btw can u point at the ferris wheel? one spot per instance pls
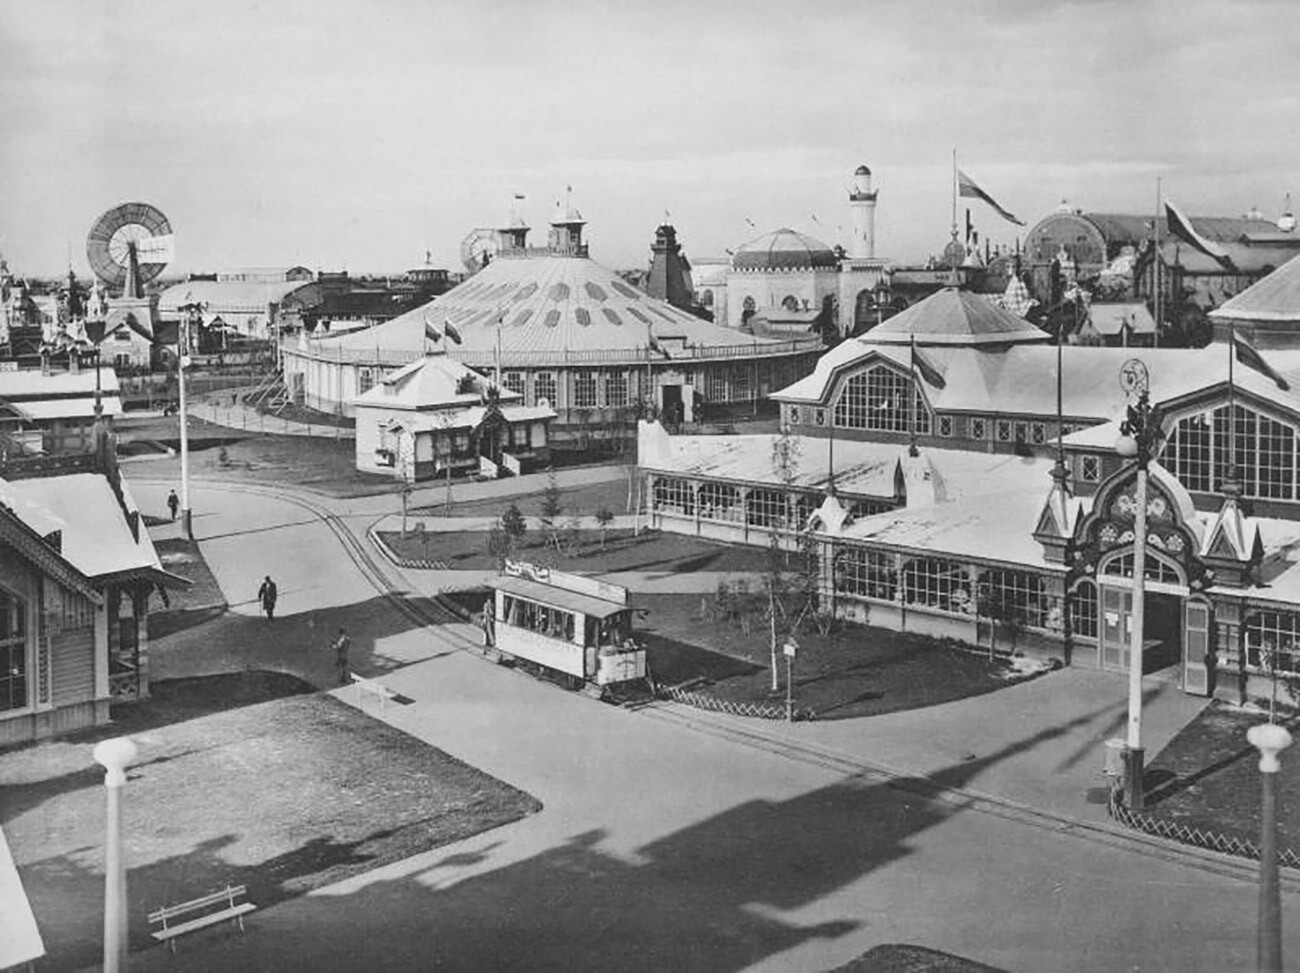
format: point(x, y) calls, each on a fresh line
point(130, 238)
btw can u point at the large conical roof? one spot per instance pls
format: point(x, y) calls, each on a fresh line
point(955, 317)
point(548, 305)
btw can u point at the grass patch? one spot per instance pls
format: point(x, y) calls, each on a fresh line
point(1208, 777)
point(651, 551)
point(247, 778)
point(578, 501)
point(185, 607)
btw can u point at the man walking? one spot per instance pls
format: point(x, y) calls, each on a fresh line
point(267, 595)
point(173, 504)
point(341, 646)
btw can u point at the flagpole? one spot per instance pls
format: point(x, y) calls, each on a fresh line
point(1156, 269)
point(497, 352)
point(911, 406)
point(1232, 405)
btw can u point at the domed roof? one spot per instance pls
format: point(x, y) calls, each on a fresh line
point(552, 309)
point(784, 249)
point(953, 317)
point(862, 171)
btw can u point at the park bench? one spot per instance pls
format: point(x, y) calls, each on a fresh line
point(372, 688)
point(206, 911)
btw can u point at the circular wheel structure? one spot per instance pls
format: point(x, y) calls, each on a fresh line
point(111, 239)
point(479, 246)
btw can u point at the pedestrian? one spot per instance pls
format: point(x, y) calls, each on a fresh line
point(173, 503)
point(266, 595)
point(489, 624)
point(341, 646)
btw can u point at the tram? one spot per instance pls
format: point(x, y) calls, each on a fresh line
point(567, 624)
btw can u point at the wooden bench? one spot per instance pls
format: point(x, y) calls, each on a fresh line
point(206, 911)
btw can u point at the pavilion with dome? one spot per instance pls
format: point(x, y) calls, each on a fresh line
point(564, 332)
point(959, 476)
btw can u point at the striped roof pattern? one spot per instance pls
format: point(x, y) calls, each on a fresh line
point(785, 249)
point(546, 303)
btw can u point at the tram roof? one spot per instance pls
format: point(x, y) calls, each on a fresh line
point(558, 597)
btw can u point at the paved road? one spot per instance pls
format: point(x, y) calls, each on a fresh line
point(675, 841)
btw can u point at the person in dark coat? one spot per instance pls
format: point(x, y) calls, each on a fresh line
point(341, 646)
point(173, 504)
point(267, 595)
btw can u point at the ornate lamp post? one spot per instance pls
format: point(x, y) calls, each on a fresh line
point(116, 755)
point(1139, 435)
point(1271, 740)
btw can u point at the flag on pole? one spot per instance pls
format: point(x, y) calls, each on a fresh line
point(929, 371)
point(519, 196)
point(451, 332)
point(966, 186)
point(1249, 356)
point(430, 332)
point(1181, 227)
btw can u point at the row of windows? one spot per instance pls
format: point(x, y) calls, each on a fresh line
point(1273, 641)
point(720, 502)
point(551, 622)
point(862, 406)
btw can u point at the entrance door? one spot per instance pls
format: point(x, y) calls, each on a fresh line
point(1116, 615)
point(1196, 643)
point(674, 411)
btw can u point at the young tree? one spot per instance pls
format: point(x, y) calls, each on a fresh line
point(514, 526)
point(604, 517)
point(552, 507)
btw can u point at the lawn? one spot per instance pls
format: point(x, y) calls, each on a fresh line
point(852, 671)
point(581, 551)
point(184, 607)
point(247, 778)
point(577, 501)
point(1208, 777)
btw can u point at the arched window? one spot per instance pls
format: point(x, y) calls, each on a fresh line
point(706, 299)
point(878, 399)
point(1197, 452)
point(749, 305)
point(1083, 609)
point(1155, 568)
point(790, 302)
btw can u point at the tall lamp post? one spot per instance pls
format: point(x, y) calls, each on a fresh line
point(1271, 740)
point(1139, 436)
point(116, 755)
point(190, 314)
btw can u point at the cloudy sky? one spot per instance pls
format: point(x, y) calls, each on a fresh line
point(358, 134)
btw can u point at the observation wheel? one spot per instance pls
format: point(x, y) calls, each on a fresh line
point(478, 248)
point(133, 235)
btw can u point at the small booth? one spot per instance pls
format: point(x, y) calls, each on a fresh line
point(566, 623)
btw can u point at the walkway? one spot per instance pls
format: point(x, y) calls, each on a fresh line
point(226, 409)
point(673, 839)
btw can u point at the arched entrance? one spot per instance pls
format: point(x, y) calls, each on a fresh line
point(866, 313)
point(1164, 593)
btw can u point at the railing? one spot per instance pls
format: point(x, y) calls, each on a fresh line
point(1197, 837)
point(594, 356)
point(700, 700)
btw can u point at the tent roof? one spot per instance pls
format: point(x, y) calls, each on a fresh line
point(955, 317)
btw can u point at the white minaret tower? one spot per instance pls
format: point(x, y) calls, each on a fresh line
point(862, 209)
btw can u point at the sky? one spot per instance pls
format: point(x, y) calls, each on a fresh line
point(361, 134)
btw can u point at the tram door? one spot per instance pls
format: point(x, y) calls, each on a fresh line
point(1116, 622)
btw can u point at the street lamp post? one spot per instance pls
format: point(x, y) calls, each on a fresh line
point(1270, 739)
point(190, 314)
point(116, 755)
point(1139, 435)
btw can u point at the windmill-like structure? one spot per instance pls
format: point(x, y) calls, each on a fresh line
point(127, 247)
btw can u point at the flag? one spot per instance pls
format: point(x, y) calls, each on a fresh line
point(1249, 356)
point(519, 195)
point(1181, 227)
point(928, 370)
point(966, 186)
point(450, 332)
point(430, 332)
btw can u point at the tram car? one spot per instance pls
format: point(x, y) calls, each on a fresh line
point(577, 627)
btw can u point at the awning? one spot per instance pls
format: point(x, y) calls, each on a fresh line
point(553, 597)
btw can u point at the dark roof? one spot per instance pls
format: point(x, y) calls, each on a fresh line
point(1128, 228)
point(784, 249)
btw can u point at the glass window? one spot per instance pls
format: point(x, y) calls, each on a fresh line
point(365, 380)
point(544, 387)
point(1198, 452)
point(878, 399)
point(937, 583)
point(584, 390)
point(1083, 610)
point(716, 384)
point(1008, 595)
point(673, 495)
point(719, 501)
point(766, 508)
point(1271, 641)
point(819, 417)
point(945, 425)
point(13, 651)
point(860, 571)
point(1038, 433)
point(978, 429)
point(1090, 469)
point(1002, 430)
point(616, 388)
point(514, 381)
point(794, 415)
